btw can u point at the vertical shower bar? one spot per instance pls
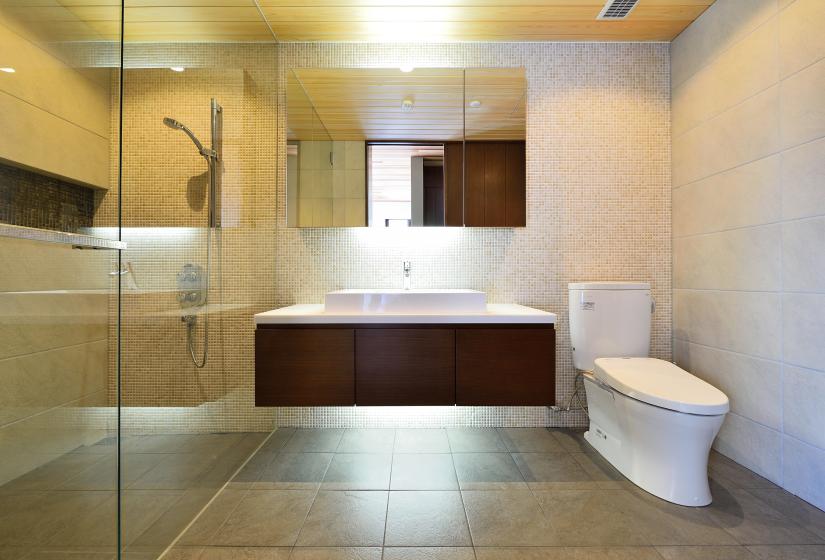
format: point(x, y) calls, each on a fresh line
point(215, 164)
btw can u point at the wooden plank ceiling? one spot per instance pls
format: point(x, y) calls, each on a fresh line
point(355, 20)
point(444, 104)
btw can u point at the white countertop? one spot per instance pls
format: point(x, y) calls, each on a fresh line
point(497, 313)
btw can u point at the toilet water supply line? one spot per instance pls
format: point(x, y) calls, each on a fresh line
point(574, 395)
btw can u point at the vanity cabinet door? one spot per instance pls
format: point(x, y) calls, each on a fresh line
point(304, 367)
point(405, 366)
point(510, 366)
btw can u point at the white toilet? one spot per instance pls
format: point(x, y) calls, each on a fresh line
point(650, 419)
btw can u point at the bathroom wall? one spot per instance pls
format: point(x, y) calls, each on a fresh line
point(749, 225)
point(164, 213)
point(65, 135)
point(598, 208)
point(53, 352)
point(598, 200)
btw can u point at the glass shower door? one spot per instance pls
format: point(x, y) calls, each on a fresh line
point(59, 101)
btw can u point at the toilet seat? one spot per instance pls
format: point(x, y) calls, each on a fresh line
point(661, 384)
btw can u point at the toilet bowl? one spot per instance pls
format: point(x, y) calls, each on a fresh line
point(652, 420)
point(655, 423)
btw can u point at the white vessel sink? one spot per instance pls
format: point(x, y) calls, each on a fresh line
point(416, 302)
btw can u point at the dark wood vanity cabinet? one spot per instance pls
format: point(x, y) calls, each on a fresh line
point(495, 185)
point(304, 367)
point(510, 366)
point(405, 366)
point(411, 365)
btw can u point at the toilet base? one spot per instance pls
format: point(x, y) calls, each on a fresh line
point(662, 451)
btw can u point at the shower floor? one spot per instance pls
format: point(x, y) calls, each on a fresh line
point(462, 494)
point(67, 509)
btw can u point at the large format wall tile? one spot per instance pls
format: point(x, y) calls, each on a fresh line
point(37, 382)
point(804, 413)
point(748, 195)
point(31, 266)
point(803, 255)
point(746, 322)
point(802, 106)
point(753, 445)
point(801, 41)
point(804, 471)
point(748, 67)
point(747, 132)
point(803, 177)
point(36, 321)
point(751, 384)
point(803, 326)
point(775, 397)
point(717, 29)
point(740, 259)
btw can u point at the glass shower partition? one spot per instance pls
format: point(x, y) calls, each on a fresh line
point(137, 228)
point(198, 212)
point(59, 277)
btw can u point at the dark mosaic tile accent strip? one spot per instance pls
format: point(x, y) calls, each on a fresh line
point(33, 200)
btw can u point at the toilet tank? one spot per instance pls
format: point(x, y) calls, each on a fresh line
point(609, 320)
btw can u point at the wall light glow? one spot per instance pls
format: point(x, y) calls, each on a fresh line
point(7, 69)
point(177, 68)
point(417, 237)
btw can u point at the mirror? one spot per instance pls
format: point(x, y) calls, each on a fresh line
point(382, 147)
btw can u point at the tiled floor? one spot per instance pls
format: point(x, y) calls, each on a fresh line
point(68, 508)
point(485, 494)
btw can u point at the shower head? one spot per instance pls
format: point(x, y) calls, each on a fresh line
point(177, 125)
point(172, 123)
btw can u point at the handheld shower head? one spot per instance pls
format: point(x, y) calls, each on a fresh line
point(172, 123)
point(177, 125)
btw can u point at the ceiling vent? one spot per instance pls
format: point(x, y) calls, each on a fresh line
point(617, 9)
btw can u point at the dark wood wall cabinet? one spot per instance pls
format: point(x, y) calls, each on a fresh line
point(389, 365)
point(495, 185)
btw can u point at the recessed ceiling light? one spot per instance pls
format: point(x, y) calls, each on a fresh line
point(8, 70)
point(475, 103)
point(406, 68)
point(177, 68)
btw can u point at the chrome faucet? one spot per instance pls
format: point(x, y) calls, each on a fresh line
point(407, 269)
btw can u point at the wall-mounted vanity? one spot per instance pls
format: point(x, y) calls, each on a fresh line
point(405, 347)
point(382, 147)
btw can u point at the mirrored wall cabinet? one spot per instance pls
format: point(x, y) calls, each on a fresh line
point(383, 147)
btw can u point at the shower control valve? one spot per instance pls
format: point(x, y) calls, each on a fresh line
point(191, 282)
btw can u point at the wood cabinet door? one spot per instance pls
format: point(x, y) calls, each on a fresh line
point(304, 367)
point(513, 366)
point(474, 199)
point(516, 185)
point(495, 185)
point(495, 172)
point(453, 183)
point(413, 366)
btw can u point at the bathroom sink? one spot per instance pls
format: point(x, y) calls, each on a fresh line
point(420, 302)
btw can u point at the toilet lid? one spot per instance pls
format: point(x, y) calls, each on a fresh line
point(661, 384)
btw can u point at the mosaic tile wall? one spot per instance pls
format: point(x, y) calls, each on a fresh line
point(598, 172)
point(164, 214)
point(38, 201)
point(598, 203)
